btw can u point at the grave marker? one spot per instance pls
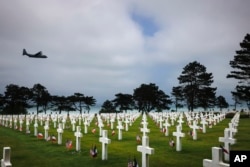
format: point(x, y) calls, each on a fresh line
point(178, 135)
point(145, 150)
point(216, 159)
point(194, 132)
point(59, 131)
point(85, 126)
point(227, 140)
point(46, 129)
point(5, 162)
point(203, 122)
point(105, 141)
point(35, 127)
point(120, 127)
point(144, 130)
point(166, 125)
point(78, 136)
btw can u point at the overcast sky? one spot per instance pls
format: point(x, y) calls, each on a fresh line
point(103, 47)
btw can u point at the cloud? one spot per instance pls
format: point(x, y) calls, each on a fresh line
point(99, 49)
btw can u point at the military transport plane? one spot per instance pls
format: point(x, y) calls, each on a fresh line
point(36, 55)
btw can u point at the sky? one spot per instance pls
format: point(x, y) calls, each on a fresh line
point(104, 47)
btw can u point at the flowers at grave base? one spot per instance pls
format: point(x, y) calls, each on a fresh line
point(93, 130)
point(93, 151)
point(138, 139)
point(68, 144)
point(53, 138)
point(224, 150)
point(171, 143)
point(113, 132)
point(132, 163)
point(200, 128)
point(40, 136)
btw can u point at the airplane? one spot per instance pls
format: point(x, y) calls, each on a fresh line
point(37, 55)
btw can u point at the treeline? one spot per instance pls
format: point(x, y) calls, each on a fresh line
point(16, 100)
point(194, 91)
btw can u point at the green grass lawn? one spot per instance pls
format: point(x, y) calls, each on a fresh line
point(27, 150)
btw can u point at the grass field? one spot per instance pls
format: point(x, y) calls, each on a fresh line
point(27, 150)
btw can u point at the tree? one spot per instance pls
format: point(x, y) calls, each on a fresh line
point(149, 97)
point(241, 66)
point(195, 84)
point(124, 102)
point(1, 102)
point(107, 107)
point(178, 97)
point(89, 101)
point(16, 99)
point(41, 97)
point(80, 101)
point(62, 103)
point(221, 102)
point(236, 99)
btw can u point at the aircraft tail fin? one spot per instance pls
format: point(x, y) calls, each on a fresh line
point(24, 52)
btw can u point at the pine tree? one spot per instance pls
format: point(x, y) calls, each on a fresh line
point(196, 86)
point(241, 66)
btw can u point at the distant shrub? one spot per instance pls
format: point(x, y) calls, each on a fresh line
point(230, 115)
point(244, 115)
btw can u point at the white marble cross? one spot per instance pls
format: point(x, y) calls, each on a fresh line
point(144, 130)
point(172, 119)
point(54, 121)
point(27, 125)
point(64, 122)
point(35, 127)
point(160, 122)
point(232, 130)
point(227, 140)
point(73, 123)
point(85, 126)
point(203, 122)
point(80, 120)
point(78, 136)
point(194, 132)
point(178, 135)
point(166, 125)
point(112, 123)
point(145, 150)
point(21, 124)
point(59, 131)
point(180, 121)
point(5, 162)
point(46, 129)
point(216, 159)
point(126, 124)
point(105, 141)
point(100, 125)
point(120, 128)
